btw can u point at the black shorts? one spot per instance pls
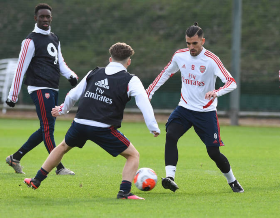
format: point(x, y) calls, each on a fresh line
point(206, 124)
point(110, 139)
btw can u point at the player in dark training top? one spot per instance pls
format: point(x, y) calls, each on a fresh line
point(41, 62)
point(103, 94)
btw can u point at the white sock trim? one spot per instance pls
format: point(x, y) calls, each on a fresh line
point(170, 171)
point(229, 176)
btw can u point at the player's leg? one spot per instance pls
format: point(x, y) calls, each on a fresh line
point(14, 159)
point(35, 139)
point(56, 156)
point(132, 163)
point(208, 129)
point(176, 126)
point(115, 143)
point(51, 162)
point(73, 138)
point(47, 99)
point(224, 166)
point(173, 132)
point(129, 171)
point(44, 100)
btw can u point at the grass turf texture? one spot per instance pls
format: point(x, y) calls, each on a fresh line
point(252, 151)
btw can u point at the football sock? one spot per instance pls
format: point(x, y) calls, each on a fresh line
point(229, 176)
point(125, 186)
point(41, 174)
point(19, 154)
point(60, 166)
point(170, 171)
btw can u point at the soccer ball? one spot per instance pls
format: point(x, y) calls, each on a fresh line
point(145, 179)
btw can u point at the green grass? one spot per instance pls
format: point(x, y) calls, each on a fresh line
point(252, 151)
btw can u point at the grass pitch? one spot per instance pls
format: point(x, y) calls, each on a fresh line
point(252, 151)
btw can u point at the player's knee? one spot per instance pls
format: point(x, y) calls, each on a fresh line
point(131, 152)
point(134, 157)
point(213, 152)
point(136, 154)
point(174, 131)
point(63, 147)
point(172, 135)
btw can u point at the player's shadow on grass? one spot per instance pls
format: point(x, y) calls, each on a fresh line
point(198, 193)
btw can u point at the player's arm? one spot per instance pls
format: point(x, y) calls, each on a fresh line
point(136, 89)
point(71, 98)
point(65, 70)
point(170, 69)
point(25, 57)
point(225, 76)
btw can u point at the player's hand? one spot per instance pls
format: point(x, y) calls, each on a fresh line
point(73, 80)
point(10, 103)
point(156, 134)
point(211, 94)
point(55, 111)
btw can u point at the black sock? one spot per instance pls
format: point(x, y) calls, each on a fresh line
point(19, 154)
point(125, 186)
point(41, 174)
point(60, 166)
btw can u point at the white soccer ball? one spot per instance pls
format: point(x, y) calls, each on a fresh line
point(145, 179)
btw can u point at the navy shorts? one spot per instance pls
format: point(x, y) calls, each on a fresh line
point(206, 124)
point(110, 139)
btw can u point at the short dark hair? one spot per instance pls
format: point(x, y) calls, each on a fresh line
point(42, 6)
point(121, 51)
point(194, 30)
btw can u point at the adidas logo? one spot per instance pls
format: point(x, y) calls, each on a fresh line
point(102, 83)
point(184, 66)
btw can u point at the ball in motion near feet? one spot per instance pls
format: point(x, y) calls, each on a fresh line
point(145, 179)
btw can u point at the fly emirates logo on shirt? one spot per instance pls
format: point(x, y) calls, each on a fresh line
point(191, 80)
point(99, 93)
